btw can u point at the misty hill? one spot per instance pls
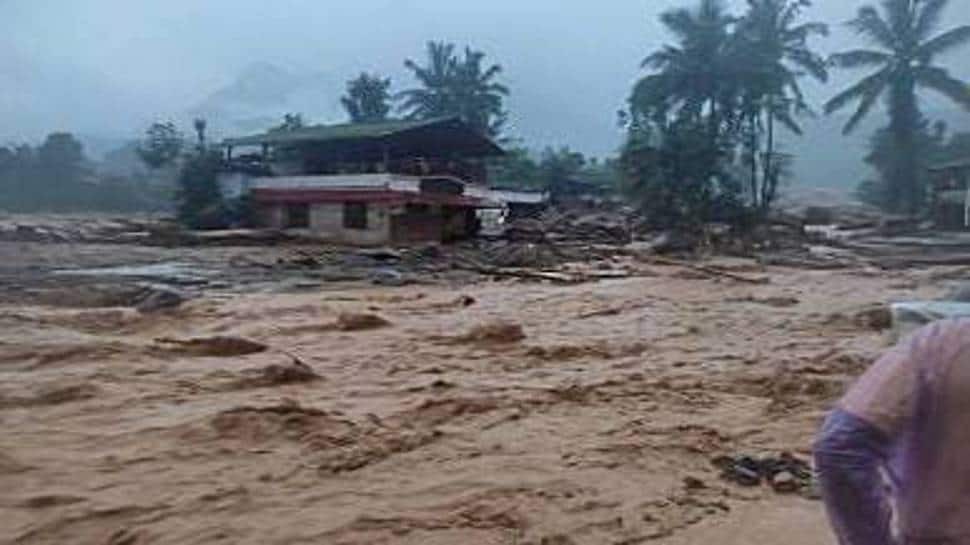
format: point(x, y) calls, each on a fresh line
point(263, 93)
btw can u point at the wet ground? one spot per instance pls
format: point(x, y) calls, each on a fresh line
point(493, 412)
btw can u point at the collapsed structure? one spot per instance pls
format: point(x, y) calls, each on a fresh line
point(366, 184)
point(950, 193)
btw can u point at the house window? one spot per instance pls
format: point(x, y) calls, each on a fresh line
point(298, 216)
point(355, 215)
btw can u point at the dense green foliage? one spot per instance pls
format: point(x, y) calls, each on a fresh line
point(554, 167)
point(368, 98)
point(161, 146)
point(460, 86)
point(199, 200)
point(57, 177)
point(721, 89)
point(684, 181)
point(905, 49)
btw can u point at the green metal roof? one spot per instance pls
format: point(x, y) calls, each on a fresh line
point(328, 133)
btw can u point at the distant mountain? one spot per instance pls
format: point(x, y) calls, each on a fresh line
point(263, 93)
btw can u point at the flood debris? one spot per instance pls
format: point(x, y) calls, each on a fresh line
point(706, 270)
point(293, 372)
point(160, 299)
point(784, 473)
point(497, 333)
point(350, 321)
point(878, 317)
point(214, 347)
point(54, 395)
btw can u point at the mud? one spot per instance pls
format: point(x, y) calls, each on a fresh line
point(518, 413)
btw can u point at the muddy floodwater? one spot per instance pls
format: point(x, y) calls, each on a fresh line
point(491, 412)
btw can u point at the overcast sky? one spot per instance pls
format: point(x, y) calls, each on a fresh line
point(107, 67)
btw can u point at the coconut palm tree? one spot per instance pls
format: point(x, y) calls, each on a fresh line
point(903, 58)
point(773, 53)
point(454, 86)
point(368, 98)
point(693, 77)
point(433, 96)
point(479, 98)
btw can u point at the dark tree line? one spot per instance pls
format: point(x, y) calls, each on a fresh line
point(703, 124)
point(552, 168)
point(57, 176)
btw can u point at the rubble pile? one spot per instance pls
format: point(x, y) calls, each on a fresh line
point(607, 227)
point(785, 473)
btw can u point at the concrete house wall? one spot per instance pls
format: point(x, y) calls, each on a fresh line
point(327, 223)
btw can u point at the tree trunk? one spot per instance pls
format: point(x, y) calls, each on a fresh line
point(769, 181)
point(753, 159)
point(906, 192)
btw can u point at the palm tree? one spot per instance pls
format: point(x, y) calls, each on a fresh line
point(773, 54)
point(903, 59)
point(368, 98)
point(453, 86)
point(478, 97)
point(434, 96)
point(693, 77)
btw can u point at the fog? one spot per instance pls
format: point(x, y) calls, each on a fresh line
point(106, 68)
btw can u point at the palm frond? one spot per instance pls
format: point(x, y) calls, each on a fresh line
point(900, 15)
point(869, 23)
point(865, 106)
point(940, 80)
point(807, 30)
point(943, 43)
point(786, 119)
point(871, 85)
point(809, 61)
point(860, 58)
point(666, 56)
point(929, 17)
point(680, 22)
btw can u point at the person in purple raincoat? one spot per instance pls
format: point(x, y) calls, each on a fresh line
point(893, 458)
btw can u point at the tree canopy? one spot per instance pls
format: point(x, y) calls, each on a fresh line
point(902, 58)
point(368, 98)
point(729, 79)
point(161, 146)
point(452, 85)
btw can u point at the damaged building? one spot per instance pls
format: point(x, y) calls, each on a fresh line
point(950, 195)
point(366, 184)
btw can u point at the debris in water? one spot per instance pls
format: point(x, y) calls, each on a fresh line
point(160, 299)
point(785, 474)
point(216, 347)
point(494, 333)
point(360, 322)
point(295, 372)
